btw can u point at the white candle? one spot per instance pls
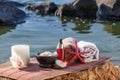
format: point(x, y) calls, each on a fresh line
point(20, 55)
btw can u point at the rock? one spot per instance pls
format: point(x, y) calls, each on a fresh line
point(78, 8)
point(108, 3)
point(116, 8)
point(104, 12)
point(12, 3)
point(109, 10)
point(66, 10)
point(46, 8)
point(10, 14)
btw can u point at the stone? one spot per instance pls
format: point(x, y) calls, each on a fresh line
point(45, 8)
point(10, 14)
point(12, 3)
point(66, 10)
point(104, 12)
point(109, 10)
point(78, 8)
point(116, 8)
point(109, 3)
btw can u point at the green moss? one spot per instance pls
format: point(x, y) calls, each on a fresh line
point(4, 29)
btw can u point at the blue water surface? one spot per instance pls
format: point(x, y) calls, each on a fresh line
point(42, 33)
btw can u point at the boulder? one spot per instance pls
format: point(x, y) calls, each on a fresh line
point(116, 8)
point(12, 3)
point(66, 10)
point(109, 3)
point(45, 8)
point(78, 8)
point(104, 12)
point(109, 10)
point(10, 14)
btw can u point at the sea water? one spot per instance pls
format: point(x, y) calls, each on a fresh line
point(42, 33)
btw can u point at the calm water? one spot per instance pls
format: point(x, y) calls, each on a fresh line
point(43, 33)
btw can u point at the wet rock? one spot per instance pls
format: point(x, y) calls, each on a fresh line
point(108, 3)
point(12, 3)
point(109, 11)
point(116, 8)
point(78, 8)
point(104, 12)
point(46, 8)
point(10, 14)
point(66, 10)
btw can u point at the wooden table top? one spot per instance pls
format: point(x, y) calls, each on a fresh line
point(34, 72)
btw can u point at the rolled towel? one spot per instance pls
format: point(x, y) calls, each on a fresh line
point(64, 49)
point(89, 51)
point(69, 44)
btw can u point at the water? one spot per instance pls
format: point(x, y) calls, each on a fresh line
point(42, 33)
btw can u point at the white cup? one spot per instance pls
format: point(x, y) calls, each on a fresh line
point(20, 55)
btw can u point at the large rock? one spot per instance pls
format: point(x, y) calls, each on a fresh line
point(109, 10)
point(10, 14)
point(45, 8)
point(109, 3)
point(12, 3)
point(104, 12)
point(66, 10)
point(116, 8)
point(78, 8)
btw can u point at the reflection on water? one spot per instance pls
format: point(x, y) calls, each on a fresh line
point(81, 25)
point(113, 28)
point(43, 33)
point(5, 29)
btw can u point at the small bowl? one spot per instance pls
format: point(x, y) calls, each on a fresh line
point(46, 61)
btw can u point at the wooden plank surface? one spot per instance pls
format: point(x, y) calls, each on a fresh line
point(34, 72)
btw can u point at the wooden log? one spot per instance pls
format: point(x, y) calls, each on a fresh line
point(106, 71)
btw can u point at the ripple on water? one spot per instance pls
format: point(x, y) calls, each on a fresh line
point(43, 33)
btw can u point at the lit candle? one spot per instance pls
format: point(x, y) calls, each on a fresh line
point(20, 56)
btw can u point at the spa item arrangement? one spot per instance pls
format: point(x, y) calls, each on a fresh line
point(68, 52)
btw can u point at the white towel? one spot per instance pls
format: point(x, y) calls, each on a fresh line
point(67, 42)
point(91, 49)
